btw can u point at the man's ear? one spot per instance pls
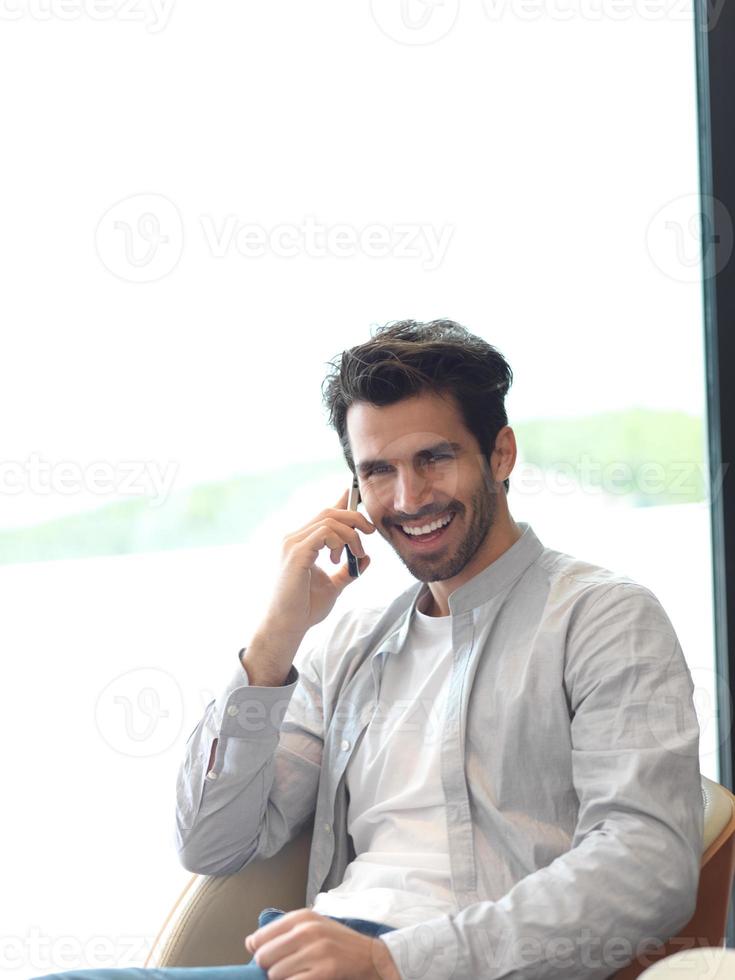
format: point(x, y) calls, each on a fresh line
point(504, 454)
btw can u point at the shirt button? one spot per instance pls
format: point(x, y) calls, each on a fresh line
point(232, 709)
point(211, 775)
point(328, 828)
point(344, 745)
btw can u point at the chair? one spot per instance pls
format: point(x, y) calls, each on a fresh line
point(706, 927)
point(703, 963)
point(210, 919)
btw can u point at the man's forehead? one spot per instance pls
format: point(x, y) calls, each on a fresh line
point(410, 417)
point(402, 430)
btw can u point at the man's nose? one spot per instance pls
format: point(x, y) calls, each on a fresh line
point(410, 490)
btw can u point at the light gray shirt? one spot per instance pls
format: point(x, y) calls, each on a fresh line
point(396, 815)
point(569, 763)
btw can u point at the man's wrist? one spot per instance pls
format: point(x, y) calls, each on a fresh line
point(273, 641)
point(263, 675)
point(269, 658)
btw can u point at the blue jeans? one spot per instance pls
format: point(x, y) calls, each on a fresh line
point(239, 971)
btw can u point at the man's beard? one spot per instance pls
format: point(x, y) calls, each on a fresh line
point(484, 508)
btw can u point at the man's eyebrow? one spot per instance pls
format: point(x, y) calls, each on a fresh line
point(367, 464)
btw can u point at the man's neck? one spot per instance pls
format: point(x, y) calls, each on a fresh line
point(502, 536)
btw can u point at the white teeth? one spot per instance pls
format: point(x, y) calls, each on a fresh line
point(434, 526)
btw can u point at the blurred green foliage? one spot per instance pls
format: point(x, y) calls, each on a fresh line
point(219, 512)
point(650, 458)
point(597, 447)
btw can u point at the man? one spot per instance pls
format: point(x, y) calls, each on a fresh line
point(549, 822)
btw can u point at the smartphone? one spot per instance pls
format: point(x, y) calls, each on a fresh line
point(353, 501)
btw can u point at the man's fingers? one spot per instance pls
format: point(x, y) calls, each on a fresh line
point(351, 518)
point(362, 522)
point(355, 522)
point(316, 538)
point(340, 505)
point(279, 926)
point(333, 534)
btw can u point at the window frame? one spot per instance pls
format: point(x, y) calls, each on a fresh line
point(715, 70)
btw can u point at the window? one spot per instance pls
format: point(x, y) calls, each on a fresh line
point(199, 212)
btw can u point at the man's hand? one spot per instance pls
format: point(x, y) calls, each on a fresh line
point(304, 945)
point(304, 593)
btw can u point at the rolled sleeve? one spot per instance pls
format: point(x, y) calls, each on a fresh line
point(219, 813)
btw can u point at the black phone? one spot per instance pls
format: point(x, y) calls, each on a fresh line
point(353, 501)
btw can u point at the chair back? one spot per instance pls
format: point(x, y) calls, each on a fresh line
point(208, 924)
point(707, 926)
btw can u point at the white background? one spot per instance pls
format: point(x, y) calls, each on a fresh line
point(559, 153)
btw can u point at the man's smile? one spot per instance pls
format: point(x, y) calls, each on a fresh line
point(421, 535)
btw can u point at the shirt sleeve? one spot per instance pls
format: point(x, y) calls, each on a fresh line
point(263, 781)
point(629, 880)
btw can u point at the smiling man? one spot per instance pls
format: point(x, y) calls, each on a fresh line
point(544, 818)
point(446, 491)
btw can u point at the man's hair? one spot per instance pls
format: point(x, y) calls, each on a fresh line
point(407, 357)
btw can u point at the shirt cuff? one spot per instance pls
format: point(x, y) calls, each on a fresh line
point(427, 950)
point(239, 694)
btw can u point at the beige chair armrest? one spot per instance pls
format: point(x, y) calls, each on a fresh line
point(718, 809)
point(208, 924)
point(706, 963)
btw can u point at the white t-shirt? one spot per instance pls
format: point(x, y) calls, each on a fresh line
point(396, 816)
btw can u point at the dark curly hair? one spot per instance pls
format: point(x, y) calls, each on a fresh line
point(406, 357)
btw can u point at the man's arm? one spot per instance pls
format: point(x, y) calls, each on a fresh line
point(250, 775)
point(632, 872)
point(248, 780)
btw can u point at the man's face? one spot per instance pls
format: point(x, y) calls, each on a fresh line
point(416, 463)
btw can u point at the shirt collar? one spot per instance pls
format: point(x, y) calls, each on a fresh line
point(499, 574)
